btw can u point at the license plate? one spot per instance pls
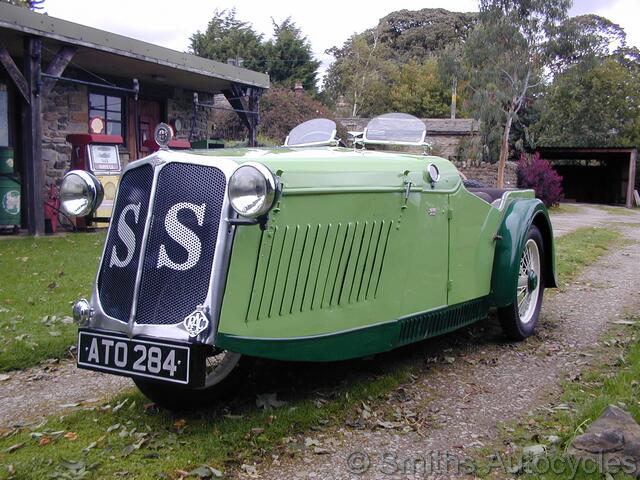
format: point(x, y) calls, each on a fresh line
point(134, 357)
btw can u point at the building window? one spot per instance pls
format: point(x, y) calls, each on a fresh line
point(108, 108)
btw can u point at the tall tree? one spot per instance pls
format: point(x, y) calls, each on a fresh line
point(289, 58)
point(228, 37)
point(584, 38)
point(418, 90)
point(367, 64)
point(595, 103)
point(419, 34)
point(359, 75)
point(505, 55)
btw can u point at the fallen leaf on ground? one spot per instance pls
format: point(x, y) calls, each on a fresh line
point(44, 441)
point(71, 436)
point(14, 447)
point(249, 469)
point(269, 401)
point(205, 471)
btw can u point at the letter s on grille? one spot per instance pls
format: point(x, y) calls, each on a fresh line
point(177, 259)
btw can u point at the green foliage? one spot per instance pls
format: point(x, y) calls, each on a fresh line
point(40, 279)
point(359, 75)
point(503, 60)
point(288, 57)
point(592, 104)
point(418, 35)
point(418, 90)
point(372, 65)
point(584, 38)
point(228, 37)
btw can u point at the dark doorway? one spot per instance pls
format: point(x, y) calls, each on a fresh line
point(150, 113)
point(595, 175)
point(593, 181)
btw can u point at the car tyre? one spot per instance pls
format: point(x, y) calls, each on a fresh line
point(218, 384)
point(519, 319)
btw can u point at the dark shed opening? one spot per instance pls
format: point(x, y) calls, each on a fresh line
point(595, 175)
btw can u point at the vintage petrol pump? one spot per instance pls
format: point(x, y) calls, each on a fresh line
point(98, 154)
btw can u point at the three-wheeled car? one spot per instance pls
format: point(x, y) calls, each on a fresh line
point(310, 251)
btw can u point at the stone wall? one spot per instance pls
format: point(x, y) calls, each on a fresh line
point(180, 106)
point(64, 111)
point(487, 173)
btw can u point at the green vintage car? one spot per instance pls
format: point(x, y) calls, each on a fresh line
point(308, 252)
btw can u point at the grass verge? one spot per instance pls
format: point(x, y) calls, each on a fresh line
point(611, 379)
point(618, 210)
point(564, 208)
point(40, 279)
point(582, 247)
point(127, 438)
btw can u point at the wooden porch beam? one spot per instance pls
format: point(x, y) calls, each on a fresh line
point(56, 68)
point(33, 173)
point(246, 102)
point(633, 158)
point(233, 96)
point(14, 72)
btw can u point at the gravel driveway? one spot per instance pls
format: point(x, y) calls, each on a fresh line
point(487, 380)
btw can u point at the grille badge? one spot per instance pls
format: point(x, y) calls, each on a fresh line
point(196, 322)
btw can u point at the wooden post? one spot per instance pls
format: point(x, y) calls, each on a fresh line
point(33, 178)
point(56, 68)
point(633, 159)
point(253, 104)
point(246, 102)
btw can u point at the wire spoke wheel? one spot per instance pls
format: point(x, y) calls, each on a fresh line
point(528, 281)
point(519, 319)
point(219, 366)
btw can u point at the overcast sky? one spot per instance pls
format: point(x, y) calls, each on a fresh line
point(326, 23)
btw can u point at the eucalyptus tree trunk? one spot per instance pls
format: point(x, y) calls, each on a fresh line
point(454, 97)
point(504, 147)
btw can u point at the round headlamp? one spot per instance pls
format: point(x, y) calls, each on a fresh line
point(252, 190)
point(80, 193)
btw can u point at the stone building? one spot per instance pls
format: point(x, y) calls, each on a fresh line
point(57, 76)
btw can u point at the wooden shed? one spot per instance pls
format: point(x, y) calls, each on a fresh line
point(595, 175)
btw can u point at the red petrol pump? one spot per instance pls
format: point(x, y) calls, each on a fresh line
point(98, 154)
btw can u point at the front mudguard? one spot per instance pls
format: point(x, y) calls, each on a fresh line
point(510, 240)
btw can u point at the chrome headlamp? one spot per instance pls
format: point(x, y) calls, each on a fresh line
point(253, 190)
point(81, 193)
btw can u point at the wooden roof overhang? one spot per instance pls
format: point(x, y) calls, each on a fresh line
point(106, 53)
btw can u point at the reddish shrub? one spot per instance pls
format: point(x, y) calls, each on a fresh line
point(539, 175)
point(281, 109)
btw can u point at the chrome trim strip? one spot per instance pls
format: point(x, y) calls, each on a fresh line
point(143, 246)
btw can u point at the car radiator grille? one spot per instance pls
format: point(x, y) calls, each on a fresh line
point(178, 255)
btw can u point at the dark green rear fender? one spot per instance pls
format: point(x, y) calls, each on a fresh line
point(512, 235)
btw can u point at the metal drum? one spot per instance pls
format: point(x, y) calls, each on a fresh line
point(6, 161)
point(9, 202)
